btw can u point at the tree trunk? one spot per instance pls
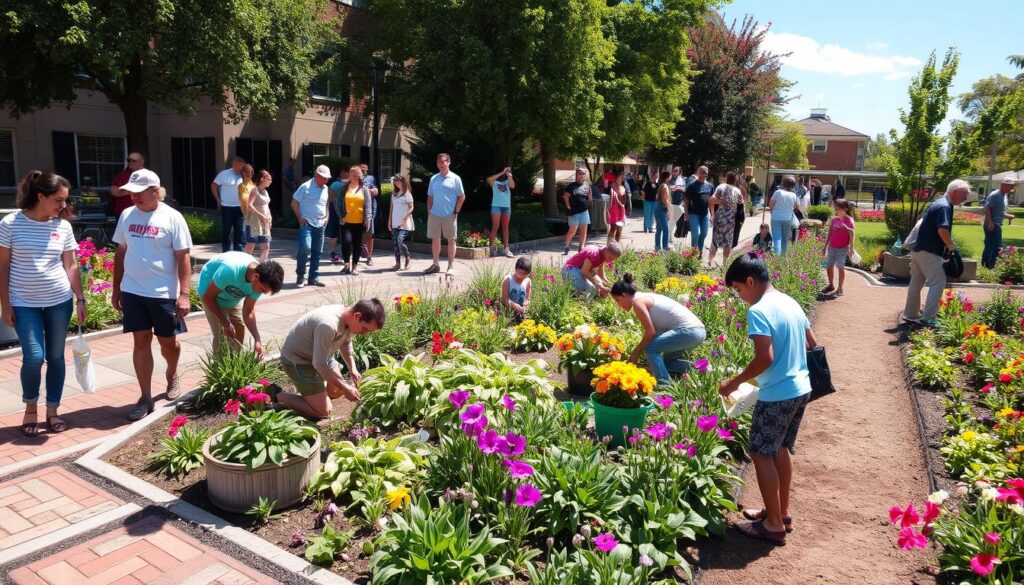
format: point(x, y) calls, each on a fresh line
point(550, 191)
point(135, 108)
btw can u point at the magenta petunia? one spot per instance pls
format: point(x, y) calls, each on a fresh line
point(910, 539)
point(725, 434)
point(511, 444)
point(487, 441)
point(508, 403)
point(605, 542)
point(664, 401)
point(527, 495)
point(701, 365)
point(458, 398)
point(520, 469)
point(984, 563)
point(658, 431)
point(707, 423)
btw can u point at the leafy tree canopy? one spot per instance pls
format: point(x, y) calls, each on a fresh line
point(784, 143)
point(1009, 136)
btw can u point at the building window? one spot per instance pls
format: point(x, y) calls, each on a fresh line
point(8, 170)
point(100, 158)
point(328, 86)
point(332, 150)
point(390, 162)
point(819, 146)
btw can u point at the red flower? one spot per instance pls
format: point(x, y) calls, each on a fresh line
point(931, 512)
point(437, 348)
point(435, 337)
point(905, 516)
point(986, 388)
point(1005, 378)
point(969, 358)
point(231, 407)
point(448, 337)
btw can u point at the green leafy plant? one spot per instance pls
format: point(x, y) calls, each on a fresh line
point(485, 329)
point(394, 339)
point(1010, 265)
point(225, 370)
point(969, 448)
point(99, 313)
point(352, 466)
point(1003, 312)
point(263, 510)
point(397, 392)
point(685, 262)
point(822, 213)
point(205, 229)
point(930, 366)
point(578, 489)
point(552, 299)
point(323, 548)
point(260, 436)
point(183, 453)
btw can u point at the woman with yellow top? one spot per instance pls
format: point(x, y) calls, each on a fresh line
point(355, 214)
point(245, 188)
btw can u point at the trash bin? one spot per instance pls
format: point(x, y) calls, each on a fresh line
point(599, 213)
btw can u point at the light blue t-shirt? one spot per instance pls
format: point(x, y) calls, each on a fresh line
point(227, 271)
point(500, 195)
point(312, 202)
point(996, 201)
point(778, 316)
point(445, 191)
point(785, 201)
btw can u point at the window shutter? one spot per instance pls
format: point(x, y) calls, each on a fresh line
point(65, 163)
point(307, 161)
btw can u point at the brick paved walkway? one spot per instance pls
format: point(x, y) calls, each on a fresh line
point(149, 551)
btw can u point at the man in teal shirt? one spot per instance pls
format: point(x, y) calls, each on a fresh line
point(226, 281)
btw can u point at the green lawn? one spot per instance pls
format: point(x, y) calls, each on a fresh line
point(874, 236)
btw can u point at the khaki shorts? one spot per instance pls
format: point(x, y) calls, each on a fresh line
point(445, 227)
point(307, 381)
point(234, 315)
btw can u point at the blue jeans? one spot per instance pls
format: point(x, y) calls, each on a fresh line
point(993, 243)
point(661, 231)
point(231, 226)
point(400, 248)
point(665, 352)
point(781, 231)
point(579, 283)
point(649, 207)
point(42, 333)
point(698, 230)
point(311, 246)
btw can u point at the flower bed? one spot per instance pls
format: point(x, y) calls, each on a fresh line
point(976, 356)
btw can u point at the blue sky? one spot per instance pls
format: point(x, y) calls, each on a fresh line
point(857, 57)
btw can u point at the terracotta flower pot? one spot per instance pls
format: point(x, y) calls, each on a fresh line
point(232, 487)
point(579, 382)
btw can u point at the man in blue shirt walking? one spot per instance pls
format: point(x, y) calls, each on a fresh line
point(995, 210)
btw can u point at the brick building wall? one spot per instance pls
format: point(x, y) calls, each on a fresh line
point(839, 155)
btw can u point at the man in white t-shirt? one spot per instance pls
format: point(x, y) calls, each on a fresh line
point(152, 271)
point(225, 190)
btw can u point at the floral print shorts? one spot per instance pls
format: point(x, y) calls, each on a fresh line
point(775, 425)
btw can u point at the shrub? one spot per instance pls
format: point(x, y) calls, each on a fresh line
point(261, 436)
point(397, 392)
point(1010, 265)
point(205, 229)
point(685, 261)
point(483, 330)
point(100, 314)
point(1003, 312)
point(552, 299)
point(822, 213)
point(180, 454)
point(394, 339)
point(225, 370)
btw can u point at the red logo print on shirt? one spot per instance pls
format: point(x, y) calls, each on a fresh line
point(144, 230)
point(55, 236)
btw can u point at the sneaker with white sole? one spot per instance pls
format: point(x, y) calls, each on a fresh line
point(174, 388)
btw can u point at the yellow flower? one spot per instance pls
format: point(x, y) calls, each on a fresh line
point(969, 436)
point(1006, 412)
point(1020, 448)
point(398, 496)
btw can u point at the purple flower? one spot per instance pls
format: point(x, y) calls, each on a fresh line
point(511, 444)
point(527, 495)
point(714, 353)
point(520, 470)
point(605, 542)
point(473, 419)
point(487, 441)
point(725, 434)
point(297, 539)
point(659, 431)
point(664, 401)
point(508, 403)
point(458, 398)
point(701, 365)
point(706, 423)
point(646, 560)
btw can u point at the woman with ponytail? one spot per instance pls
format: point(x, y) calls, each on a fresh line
point(39, 275)
point(670, 329)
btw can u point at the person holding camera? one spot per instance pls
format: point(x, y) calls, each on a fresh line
point(501, 184)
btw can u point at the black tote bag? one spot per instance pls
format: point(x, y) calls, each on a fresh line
point(821, 376)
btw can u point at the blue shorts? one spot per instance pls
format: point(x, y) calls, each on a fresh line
point(582, 218)
point(501, 210)
point(249, 239)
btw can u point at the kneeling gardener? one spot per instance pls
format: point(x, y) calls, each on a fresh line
point(307, 356)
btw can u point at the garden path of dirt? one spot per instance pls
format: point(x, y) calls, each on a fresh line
point(858, 453)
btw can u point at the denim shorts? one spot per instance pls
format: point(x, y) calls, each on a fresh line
point(775, 424)
point(582, 218)
point(249, 239)
point(836, 256)
point(501, 210)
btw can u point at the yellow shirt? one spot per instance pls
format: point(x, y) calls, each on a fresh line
point(354, 203)
point(243, 193)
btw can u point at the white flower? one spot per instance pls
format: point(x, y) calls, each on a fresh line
point(938, 497)
point(1017, 509)
point(989, 494)
point(455, 345)
point(962, 489)
point(981, 484)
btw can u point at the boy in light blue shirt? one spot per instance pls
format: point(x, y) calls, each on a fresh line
point(781, 334)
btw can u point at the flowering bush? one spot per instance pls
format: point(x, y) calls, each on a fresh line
point(1010, 265)
point(532, 336)
point(871, 216)
point(671, 286)
point(406, 300)
point(471, 239)
point(261, 435)
point(442, 343)
point(622, 385)
point(182, 450)
point(587, 347)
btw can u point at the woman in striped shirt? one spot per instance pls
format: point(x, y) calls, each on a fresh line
point(38, 274)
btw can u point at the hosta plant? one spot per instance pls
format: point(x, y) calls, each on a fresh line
point(260, 435)
point(352, 466)
point(397, 392)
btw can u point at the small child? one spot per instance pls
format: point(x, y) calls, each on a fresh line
point(516, 289)
point(781, 334)
point(838, 245)
point(763, 239)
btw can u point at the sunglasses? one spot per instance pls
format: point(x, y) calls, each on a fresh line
point(133, 160)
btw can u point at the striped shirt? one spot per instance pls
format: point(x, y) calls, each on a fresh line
point(37, 271)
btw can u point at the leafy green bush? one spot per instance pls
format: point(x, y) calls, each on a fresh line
point(181, 454)
point(1010, 265)
point(100, 314)
point(577, 488)
point(1003, 312)
point(930, 366)
point(552, 299)
point(260, 436)
point(823, 213)
point(685, 261)
point(897, 218)
point(394, 339)
point(397, 392)
point(350, 466)
point(483, 330)
point(226, 370)
point(205, 229)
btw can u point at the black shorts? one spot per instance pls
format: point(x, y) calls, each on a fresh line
point(148, 314)
point(775, 424)
point(333, 229)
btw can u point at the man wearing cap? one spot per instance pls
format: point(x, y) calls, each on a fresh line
point(122, 198)
point(225, 191)
point(995, 209)
point(309, 202)
point(151, 282)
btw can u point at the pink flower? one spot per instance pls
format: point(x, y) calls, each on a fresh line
point(706, 423)
point(458, 398)
point(905, 516)
point(720, 339)
point(508, 403)
point(487, 441)
point(232, 406)
point(664, 401)
point(1005, 378)
point(910, 539)
point(984, 563)
point(659, 431)
point(931, 512)
point(520, 469)
point(257, 397)
point(511, 444)
point(176, 424)
point(263, 382)
point(992, 538)
point(987, 388)
point(527, 495)
point(701, 365)
point(1009, 496)
point(725, 434)
point(605, 542)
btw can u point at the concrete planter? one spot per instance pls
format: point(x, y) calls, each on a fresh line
point(899, 267)
point(232, 487)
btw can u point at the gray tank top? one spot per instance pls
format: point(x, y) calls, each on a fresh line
point(667, 314)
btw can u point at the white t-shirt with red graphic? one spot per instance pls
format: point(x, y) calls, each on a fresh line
point(152, 238)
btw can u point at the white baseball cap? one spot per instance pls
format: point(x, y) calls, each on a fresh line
point(1009, 181)
point(141, 180)
point(323, 171)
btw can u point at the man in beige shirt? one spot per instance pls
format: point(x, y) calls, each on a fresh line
point(307, 356)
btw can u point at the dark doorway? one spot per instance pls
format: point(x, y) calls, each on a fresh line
point(265, 154)
point(193, 167)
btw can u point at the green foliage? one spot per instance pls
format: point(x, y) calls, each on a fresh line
point(395, 339)
point(99, 313)
point(181, 454)
point(351, 466)
point(205, 229)
point(930, 366)
point(899, 217)
point(578, 489)
point(436, 544)
point(685, 262)
point(787, 142)
point(263, 510)
point(397, 392)
point(552, 299)
point(962, 536)
point(876, 153)
point(968, 448)
point(482, 330)
point(322, 549)
point(261, 436)
point(1003, 312)
point(822, 213)
point(1010, 265)
point(225, 370)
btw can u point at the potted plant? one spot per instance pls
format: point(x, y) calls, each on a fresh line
point(621, 399)
point(265, 453)
point(586, 348)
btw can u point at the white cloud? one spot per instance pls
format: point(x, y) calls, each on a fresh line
point(878, 46)
point(808, 54)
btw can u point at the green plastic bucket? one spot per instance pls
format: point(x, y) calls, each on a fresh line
point(609, 421)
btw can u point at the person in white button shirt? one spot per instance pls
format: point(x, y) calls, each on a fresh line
point(225, 191)
point(152, 273)
point(309, 202)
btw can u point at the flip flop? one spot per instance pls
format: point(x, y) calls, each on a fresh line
point(30, 429)
point(756, 530)
point(752, 514)
point(56, 424)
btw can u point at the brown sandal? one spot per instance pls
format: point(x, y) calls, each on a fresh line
point(752, 514)
point(757, 530)
point(30, 429)
point(56, 424)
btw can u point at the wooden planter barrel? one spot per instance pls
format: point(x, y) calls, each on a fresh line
point(232, 487)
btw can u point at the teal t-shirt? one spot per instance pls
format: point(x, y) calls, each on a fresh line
point(227, 271)
point(780, 317)
point(500, 194)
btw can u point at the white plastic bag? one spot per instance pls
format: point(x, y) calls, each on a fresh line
point(855, 257)
point(83, 363)
point(741, 400)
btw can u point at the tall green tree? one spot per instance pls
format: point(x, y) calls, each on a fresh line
point(783, 145)
point(732, 98)
point(250, 57)
point(878, 149)
point(1008, 141)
